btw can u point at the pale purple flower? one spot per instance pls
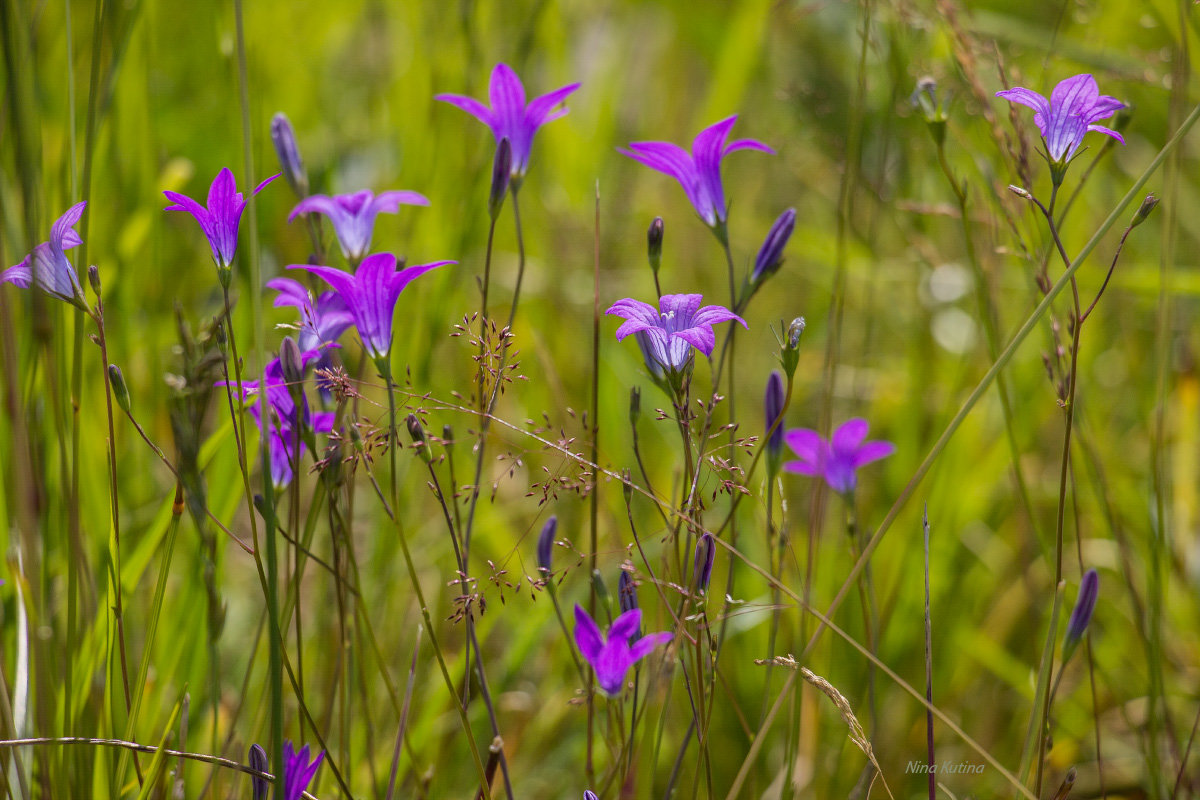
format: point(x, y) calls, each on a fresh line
point(1074, 107)
point(838, 459)
point(47, 267)
point(297, 771)
point(220, 220)
point(698, 172)
point(612, 657)
point(353, 215)
point(371, 295)
point(675, 328)
point(322, 321)
point(509, 117)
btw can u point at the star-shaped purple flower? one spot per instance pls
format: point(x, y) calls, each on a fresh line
point(836, 460)
point(220, 220)
point(672, 331)
point(353, 215)
point(509, 117)
point(297, 771)
point(613, 657)
point(47, 266)
point(321, 322)
point(371, 294)
point(698, 172)
point(1074, 107)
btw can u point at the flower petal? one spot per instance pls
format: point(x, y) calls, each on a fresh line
point(805, 442)
point(540, 107)
point(642, 647)
point(849, 435)
point(873, 451)
point(1026, 97)
point(390, 201)
point(625, 626)
point(587, 635)
point(507, 96)
point(470, 105)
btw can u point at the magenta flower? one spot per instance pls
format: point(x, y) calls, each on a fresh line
point(321, 322)
point(221, 219)
point(699, 173)
point(297, 772)
point(509, 117)
point(371, 295)
point(671, 332)
point(836, 460)
point(353, 215)
point(613, 657)
point(47, 267)
point(1074, 107)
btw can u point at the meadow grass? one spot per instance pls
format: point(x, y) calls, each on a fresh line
point(164, 606)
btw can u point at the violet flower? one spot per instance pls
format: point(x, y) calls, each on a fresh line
point(321, 322)
point(612, 657)
point(1081, 615)
point(47, 267)
point(1074, 107)
point(509, 117)
point(220, 220)
point(297, 771)
point(699, 173)
point(672, 331)
point(353, 215)
point(838, 459)
point(371, 295)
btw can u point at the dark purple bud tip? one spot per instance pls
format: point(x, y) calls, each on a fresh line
point(501, 176)
point(291, 363)
point(588, 794)
point(545, 545)
point(706, 552)
point(418, 437)
point(284, 139)
point(773, 402)
point(770, 255)
point(119, 388)
point(259, 786)
point(94, 278)
point(1089, 589)
point(627, 599)
point(654, 243)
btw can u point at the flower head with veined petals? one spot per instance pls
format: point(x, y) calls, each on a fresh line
point(612, 657)
point(1074, 107)
point(297, 771)
point(672, 331)
point(353, 215)
point(371, 295)
point(47, 266)
point(838, 459)
point(509, 117)
point(698, 172)
point(221, 219)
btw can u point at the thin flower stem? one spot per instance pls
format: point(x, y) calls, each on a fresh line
point(594, 493)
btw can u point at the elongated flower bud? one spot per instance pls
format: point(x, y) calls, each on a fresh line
point(418, 436)
point(259, 786)
point(1089, 590)
point(654, 243)
point(1148, 205)
point(773, 401)
point(545, 545)
point(119, 388)
point(588, 794)
point(789, 355)
point(627, 600)
point(93, 273)
point(501, 177)
point(284, 139)
point(291, 363)
point(706, 552)
point(770, 255)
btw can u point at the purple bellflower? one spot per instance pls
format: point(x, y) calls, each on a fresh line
point(674, 329)
point(1074, 108)
point(353, 215)
point(613, 657)
point(371, 295)
point(221, 219)
point(836, 460)
point(1081, 615)
point(509, 117)
point(297, 771)
point(698, 172)
point(321, 322)
point(47, 267)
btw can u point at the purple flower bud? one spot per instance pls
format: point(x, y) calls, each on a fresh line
point(795, 331)
point(284, 139)
point(418, 436)
point(706, 551)
point(501, 176)
point(588, 794)
point(545, 545)
point(258, 761)
point(93, 273)
point(1089, 589)
point(627, 599)
point(119, 389)
point(774, 407)
point(770, 256)
point(654, 243)
point(291, 363)
point(1148, 205)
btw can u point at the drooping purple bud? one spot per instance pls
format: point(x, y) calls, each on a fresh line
point(627, 599)
point(93, 272)
point(259, 785)
point(501, 176)
point(284, 139)
point(545, 545)
point(706, 551)
point(418, 437)
point(1089, 590)
point(654, 243)
point(773, 401)
point(291, 363)
point(770, 256)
